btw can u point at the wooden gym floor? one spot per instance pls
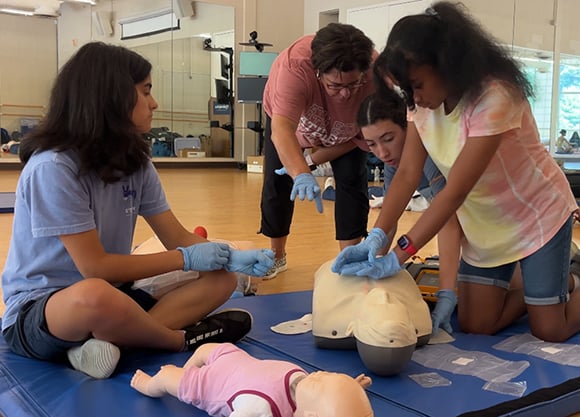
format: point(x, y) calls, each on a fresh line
point(227, 202)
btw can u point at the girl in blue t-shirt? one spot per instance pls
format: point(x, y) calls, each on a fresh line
point(87, 177)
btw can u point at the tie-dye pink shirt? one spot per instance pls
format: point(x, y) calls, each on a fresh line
point(523, 198)
point(294, 91)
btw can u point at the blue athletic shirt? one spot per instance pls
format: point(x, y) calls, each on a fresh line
point(53, 200)
point(431, 183)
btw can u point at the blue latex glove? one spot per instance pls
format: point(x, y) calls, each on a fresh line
point(251, 262)
point(281, 171)
point(441, 314)
point(207, 256)
point(382, 267)
point(305, 186)
point(365, 250)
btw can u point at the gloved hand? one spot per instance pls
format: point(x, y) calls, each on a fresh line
point(305, 186)
point(207, 256)
point(382, 267)
point(281, 171)
point(251, 262)
point(365, 250)
point(441, 314)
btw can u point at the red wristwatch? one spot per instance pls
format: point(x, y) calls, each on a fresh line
point(406, 245)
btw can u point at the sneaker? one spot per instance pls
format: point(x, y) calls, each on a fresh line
point(279, 266)
point(224, 326)
point(95, 358)
point(244, 287)
point(329, 183)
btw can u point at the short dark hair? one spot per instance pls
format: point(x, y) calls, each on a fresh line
point(90, 112)
point(341, 47)
point(384, 105)
point(448, 39)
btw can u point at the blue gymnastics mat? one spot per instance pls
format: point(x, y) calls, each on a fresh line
point(7, 202)
point(34, 388)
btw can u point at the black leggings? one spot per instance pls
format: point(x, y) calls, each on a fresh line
point(351, 208)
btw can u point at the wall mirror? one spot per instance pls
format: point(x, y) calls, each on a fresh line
point(185, 74)
point(188, 76)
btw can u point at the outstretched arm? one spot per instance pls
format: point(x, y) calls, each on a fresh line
point(404, 182)
point(286, 144)
point(449, 243)
point(166, 381)
point(322, 155)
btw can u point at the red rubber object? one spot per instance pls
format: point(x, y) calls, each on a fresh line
point(200, 231)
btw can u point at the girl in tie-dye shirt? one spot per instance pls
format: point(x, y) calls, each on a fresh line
point(470, 114)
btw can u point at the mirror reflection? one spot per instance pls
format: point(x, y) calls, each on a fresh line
point(186, 78)
point(184, 74)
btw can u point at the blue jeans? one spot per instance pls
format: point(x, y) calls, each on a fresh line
point(545, 272)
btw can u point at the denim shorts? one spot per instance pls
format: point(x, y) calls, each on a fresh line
point(29, 335)
point(545, 272)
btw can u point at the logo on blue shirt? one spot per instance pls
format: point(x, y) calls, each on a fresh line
point(127, 192)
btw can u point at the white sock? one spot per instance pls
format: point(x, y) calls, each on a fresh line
point(95, 358)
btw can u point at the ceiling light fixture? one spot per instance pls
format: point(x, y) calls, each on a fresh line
point(91, 2)
point(20, 12)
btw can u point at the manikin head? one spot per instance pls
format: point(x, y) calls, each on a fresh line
point(385, 334)
point(329, 394)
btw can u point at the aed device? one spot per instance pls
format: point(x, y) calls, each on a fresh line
point(426, 276)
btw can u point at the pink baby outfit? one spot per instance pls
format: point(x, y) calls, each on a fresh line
point(231, 372)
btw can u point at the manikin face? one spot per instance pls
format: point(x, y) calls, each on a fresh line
point(385, 139)
point(340, 86)
point(428, 87)
point(143, 111)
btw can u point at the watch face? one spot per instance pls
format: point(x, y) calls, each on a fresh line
point(403, 242)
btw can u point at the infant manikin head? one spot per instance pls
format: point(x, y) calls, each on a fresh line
point(329, 394)
point(384, 332)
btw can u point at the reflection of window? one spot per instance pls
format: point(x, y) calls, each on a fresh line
point(569, 103)
point(537, 66)
point(149, 24)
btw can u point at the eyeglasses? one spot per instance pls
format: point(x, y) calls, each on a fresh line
point(338, 87)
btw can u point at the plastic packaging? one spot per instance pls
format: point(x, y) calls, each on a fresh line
point(515, 389)
point(430, 380)
point(160, 284)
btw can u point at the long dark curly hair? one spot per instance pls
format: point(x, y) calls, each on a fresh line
point(448, 39)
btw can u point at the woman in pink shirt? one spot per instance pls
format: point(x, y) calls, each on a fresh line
point(311, 100)
point(470, 114)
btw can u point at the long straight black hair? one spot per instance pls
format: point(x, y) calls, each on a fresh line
point(90, 112)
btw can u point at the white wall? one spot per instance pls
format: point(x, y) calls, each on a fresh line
point(28, 65)
point(527, 23)
point(377, 20)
